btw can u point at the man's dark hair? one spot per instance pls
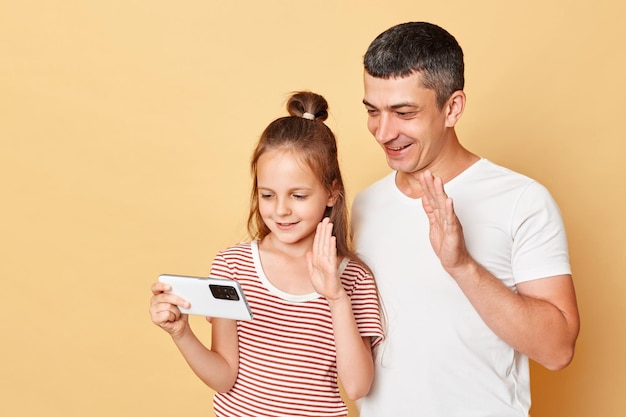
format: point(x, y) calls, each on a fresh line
point(418, 47)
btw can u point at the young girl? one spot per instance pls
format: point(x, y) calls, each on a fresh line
point(315, 305)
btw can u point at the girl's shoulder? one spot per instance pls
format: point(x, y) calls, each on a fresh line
point(354, 270)
point(238, 253)
point(241, 247)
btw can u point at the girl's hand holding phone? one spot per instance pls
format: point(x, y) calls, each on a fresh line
point(164, 310)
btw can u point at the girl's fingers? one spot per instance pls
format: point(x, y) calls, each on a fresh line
point(160, 291)
point(160, 287)
point(324, 246)
point(321, 231)
point(322, 235)
point(169, 299)
point(324, 243)
point(162, 316)
point(329, 241)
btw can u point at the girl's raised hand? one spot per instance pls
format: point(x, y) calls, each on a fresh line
point(164, 310)
point(322, 262)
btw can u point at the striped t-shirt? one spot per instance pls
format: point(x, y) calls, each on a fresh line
point(287, 359)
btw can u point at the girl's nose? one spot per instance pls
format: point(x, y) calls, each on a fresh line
point(282, 207)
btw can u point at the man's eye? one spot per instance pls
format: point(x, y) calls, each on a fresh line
point(372, 112)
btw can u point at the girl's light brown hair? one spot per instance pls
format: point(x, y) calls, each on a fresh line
point(314, 144)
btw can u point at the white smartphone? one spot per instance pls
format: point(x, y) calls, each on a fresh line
point(211, 297)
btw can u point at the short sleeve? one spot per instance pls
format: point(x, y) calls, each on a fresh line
point(365, 303)
point(539, 240)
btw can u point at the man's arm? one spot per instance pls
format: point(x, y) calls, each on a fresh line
point(540, 320)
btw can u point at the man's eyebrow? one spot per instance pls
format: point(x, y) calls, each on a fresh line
point(392, 107)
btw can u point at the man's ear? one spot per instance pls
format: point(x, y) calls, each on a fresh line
point(454, 108)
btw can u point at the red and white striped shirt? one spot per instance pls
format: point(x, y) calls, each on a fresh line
point(287, 358)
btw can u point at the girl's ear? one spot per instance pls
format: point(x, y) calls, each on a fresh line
point(334, 195)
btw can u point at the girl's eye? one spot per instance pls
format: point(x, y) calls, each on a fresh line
point(265, 196)
point(299, 196)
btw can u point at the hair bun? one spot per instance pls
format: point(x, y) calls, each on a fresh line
point(308, 105)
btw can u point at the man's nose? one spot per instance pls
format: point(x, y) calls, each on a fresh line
point(386, 129)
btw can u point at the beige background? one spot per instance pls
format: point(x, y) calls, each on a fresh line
point(125, 134)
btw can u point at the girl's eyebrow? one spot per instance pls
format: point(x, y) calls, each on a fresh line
point(291, 190)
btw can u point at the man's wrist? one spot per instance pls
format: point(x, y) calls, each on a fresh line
point(466, 270)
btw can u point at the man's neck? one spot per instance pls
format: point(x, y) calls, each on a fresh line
point(452, 163)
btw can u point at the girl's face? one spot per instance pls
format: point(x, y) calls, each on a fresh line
point(292, 200)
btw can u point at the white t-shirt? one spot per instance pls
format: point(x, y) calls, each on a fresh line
point(439, 359)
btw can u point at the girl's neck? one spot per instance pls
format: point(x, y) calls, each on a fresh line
point(294, 251)
point(285, 265)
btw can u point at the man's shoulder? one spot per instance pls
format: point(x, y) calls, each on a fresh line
point(487, 166)
point(488, 181)
point(485, 171)
point(383, 184)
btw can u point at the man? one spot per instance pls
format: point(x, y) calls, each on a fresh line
point(470, 289)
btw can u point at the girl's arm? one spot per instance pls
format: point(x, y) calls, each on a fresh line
point(216, 367)
point(355, 363)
